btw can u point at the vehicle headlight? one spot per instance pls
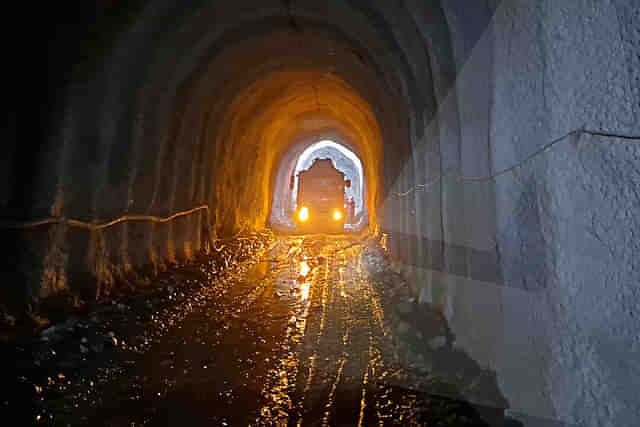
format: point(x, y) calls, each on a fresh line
point(303, 214)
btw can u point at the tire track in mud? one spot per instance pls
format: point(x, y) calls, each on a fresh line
point(362, 395)
point(344, 370)
point(311, 356)
point(301, 338)
point(345, 354)
point(341, 350)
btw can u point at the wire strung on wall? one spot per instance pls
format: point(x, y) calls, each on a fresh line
point(543, 149)
point(15, 225)
point(97, 226)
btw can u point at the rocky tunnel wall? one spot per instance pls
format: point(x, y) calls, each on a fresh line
point(155, 108)
point(499, 140)
point(515, 212)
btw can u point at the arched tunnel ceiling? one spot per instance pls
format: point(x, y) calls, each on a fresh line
point(154, 107)
point(499, 140)
point(209, 86)
point(157, 107)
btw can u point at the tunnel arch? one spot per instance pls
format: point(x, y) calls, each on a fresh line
point(299, 158)
point(178, 104)
point(294, 115)
point(308, 155)
point(149, 104)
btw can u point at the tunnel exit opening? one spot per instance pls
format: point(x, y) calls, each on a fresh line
point(343, 159)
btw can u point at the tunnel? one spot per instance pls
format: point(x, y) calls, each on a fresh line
point(498, 141)
point(301, 158)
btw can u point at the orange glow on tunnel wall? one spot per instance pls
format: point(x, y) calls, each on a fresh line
point(284, 111)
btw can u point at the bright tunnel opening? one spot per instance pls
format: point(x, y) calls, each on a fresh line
point(286, 210)
point(340, 156)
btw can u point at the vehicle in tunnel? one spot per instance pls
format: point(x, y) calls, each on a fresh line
point(493, 150)
point(321, 199)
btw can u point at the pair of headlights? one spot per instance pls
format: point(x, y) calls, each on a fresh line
point(303, 214)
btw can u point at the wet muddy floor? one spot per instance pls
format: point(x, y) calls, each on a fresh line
point(300, 337)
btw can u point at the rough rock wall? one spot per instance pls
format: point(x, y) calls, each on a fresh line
point(174, 104)
point(566, 70)
point(526, 233)
point(157, 107)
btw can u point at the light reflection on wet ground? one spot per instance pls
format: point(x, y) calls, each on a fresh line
point(299, 340)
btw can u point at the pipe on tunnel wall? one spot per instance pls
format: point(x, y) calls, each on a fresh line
point(180, 104)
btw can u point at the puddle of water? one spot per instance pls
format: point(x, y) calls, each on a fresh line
point(304, 268)
point(300, 340)
point(304, 291)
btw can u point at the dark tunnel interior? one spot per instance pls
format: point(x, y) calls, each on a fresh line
point(498, 141)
